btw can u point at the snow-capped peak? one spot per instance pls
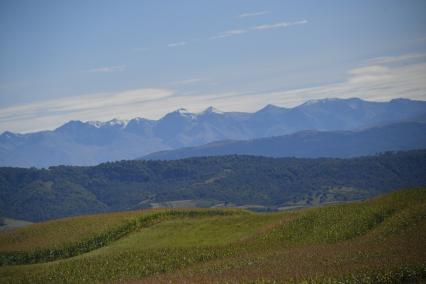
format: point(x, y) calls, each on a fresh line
point(112, 122)
point(316, 101)
point(184, 112)
point(117, 122)
point(211, 110)
point(95, 123)
point(138, 119)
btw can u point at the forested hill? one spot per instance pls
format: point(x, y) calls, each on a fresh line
point(40, 194)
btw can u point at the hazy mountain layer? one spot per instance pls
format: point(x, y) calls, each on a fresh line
point(89, 143)
point(311, 143)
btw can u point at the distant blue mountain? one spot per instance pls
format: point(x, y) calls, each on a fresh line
point(313, 144)
point(89, 143)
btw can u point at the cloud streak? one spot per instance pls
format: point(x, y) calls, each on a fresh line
point(253, 14)
point(397, 58)
point(108, 69)
point(279, 25)
point(177, 44)
point(377, 80)
point(229, 33)
point(103, 106)
point(235, 32)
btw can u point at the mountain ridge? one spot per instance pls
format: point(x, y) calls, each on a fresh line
point(93, 142)
point(313, 144)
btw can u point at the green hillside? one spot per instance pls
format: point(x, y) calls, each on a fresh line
point(246, 181)
point(381, 240)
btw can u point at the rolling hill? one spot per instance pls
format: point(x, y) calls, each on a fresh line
point(93, 142)
point(247, 181)
point(375, 241)
point(313, 144)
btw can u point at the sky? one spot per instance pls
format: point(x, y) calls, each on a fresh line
point(99, 60)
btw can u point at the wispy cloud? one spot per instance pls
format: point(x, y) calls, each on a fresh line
point(279, 25)
point(235, 32)
point(103, 106)
point(229, 33)
point(177, 44)
point(253, 14)
point(374, 79)
point(397, 58)
point(108, 69)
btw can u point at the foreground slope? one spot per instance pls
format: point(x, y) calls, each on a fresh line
point(376, 241)
point(312, 144)
point(248, 181)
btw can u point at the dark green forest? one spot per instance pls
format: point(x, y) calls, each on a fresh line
point(40, 194)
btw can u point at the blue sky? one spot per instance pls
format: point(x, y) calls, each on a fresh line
point(98, 60)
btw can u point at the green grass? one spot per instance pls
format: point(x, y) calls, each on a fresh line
point(56, 233)
point(85, 243)
point(199, 232)
point(376, 241)
point(334, 223)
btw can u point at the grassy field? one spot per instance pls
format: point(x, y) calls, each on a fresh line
point(13, 224)
point(377, 241)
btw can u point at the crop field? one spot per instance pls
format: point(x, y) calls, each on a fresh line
point(382, 240)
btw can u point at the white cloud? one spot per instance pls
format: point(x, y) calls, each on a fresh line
point(229, 33)
point(370, 80)
point(108, 69)
point(253, 14)
point(279, 25)
point(176, 44)
point(368, 74)
point(103, 106)
point(235, 32)
point(397, 58)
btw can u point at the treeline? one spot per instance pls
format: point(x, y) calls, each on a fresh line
point(40, 194)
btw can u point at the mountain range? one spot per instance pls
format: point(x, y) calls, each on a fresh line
point(93, 142)
point(313, 143)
